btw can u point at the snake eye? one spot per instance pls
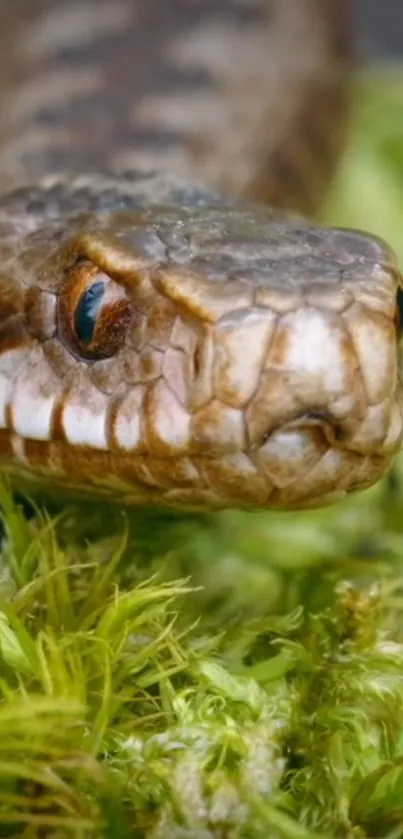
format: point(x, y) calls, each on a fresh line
point(94, 312)
point(87, 312)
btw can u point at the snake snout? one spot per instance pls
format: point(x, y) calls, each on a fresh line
point(320, 395)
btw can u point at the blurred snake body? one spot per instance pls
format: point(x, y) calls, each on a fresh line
point(168, 332)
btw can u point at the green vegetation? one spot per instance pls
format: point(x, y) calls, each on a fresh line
point(232, 678)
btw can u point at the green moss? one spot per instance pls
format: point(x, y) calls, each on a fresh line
point(216, 678)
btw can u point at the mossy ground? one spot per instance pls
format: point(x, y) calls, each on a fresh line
point(240, 676)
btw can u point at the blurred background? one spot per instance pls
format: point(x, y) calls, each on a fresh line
point(368, 193)
point(379, 27)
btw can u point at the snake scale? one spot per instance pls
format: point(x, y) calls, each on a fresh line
point(171, 329)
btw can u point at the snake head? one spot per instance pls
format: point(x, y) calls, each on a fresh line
point(198, 355)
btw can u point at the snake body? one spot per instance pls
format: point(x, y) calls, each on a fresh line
point(166, 336)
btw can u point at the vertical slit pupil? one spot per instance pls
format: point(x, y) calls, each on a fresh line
point(399, 310)
point(87, 312)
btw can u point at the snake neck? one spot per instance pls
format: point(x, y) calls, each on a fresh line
point(246, 96)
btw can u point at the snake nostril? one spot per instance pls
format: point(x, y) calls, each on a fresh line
point(330, 429)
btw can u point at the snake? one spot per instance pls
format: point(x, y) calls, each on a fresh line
point(176, 327)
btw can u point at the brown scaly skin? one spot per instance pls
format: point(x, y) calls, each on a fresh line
point(234, 356)
point(248, 97)
point(254, 362)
